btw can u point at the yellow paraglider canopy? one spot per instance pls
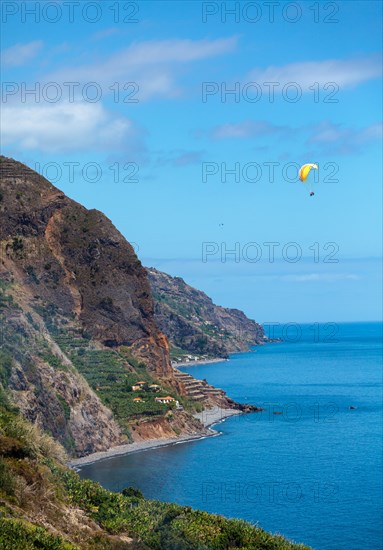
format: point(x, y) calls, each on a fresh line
point(305, 170)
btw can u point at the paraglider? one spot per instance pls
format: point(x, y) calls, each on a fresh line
point(304, 172)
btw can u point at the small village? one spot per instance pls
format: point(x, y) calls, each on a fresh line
point(189, 359)
point(143, 386)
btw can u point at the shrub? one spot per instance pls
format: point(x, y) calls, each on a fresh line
point(11, 447)
point(31, 441)
point(132, 492)
point(17, 244)
point(53, 361)
point(6, 480)
point(106, 303)
point(5, 367)
point(31, 272)
point(65, 407)
point(4, 401)
point(21, 534)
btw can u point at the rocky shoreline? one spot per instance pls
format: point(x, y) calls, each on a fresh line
point(199, 362)
point(208, 418)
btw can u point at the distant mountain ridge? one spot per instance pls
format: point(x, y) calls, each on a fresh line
point(195, 325)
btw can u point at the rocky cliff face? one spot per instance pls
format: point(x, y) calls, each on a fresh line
point(70, 287)
point(79, 328)
point(43, 382)
point(194, 324)
point(76, 260)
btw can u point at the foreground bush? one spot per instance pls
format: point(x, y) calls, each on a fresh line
point(23, 535)
point(44, 504)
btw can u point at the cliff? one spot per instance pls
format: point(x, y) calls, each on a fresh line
point(195, 325)
point(75, 260)
point(76, 317)
point(78, 325)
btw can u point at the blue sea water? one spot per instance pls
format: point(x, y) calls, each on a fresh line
point(312, 473)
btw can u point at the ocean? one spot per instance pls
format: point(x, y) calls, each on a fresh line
point(312, 472)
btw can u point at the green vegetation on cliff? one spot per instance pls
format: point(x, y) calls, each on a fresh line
point(44, 504)
point(195, 325)
point(67, 349)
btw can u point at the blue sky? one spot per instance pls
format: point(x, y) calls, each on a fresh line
point(160, 166)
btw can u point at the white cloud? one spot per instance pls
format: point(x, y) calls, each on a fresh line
point(246, 129)
point(180, 51)
point(65, 127)
point(337, 139)
point(331, 138)
point(179, 158)
point(152, 64)
point(105, 33)
point(321, 277)
point(19, 54)
point(345, 73)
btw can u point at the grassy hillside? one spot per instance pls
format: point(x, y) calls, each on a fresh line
point(44, 504)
